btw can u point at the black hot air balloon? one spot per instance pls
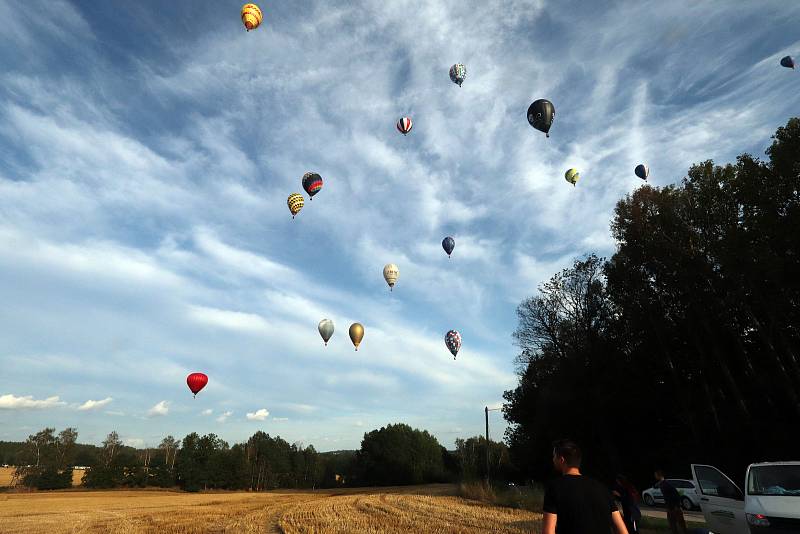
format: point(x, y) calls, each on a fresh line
point(642, 171)
point(312, 183)
point(787, 62)
point(541, 114)
point(448, 244)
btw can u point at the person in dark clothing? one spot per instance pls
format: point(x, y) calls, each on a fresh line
point(575, 504)
point(626, 494)
point(672, 499)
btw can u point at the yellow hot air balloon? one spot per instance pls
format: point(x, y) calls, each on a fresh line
point(391, 273)
point(356, 334)
point(572, 176)
point(251, 16)
point(295, 203)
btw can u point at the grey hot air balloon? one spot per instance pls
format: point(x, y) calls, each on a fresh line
point(325, 330)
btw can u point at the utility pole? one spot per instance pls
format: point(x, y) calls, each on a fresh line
point(486, 411)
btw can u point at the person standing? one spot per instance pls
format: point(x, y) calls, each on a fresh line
point(672, 499)
point(628, 497)
point(575, 504)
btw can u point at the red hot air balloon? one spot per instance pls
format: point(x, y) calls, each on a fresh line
point(196, 382)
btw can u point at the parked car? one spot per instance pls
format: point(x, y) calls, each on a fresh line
point(770, 502)
point(689, 495)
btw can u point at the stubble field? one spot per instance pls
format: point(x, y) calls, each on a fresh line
point(389, 510)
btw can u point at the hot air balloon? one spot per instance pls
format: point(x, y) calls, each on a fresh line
point(642, 171)
point(325, 328)
point(251, 16)
point(295, 203)
point(457, 73)
point(196, 382)
point(391, 273)
point(448, 244)
point(404, 125)
point(312, 183)
point(356, 334)
point(541, 115)
point(787, 62)
point(453, 341)
point(572, 176)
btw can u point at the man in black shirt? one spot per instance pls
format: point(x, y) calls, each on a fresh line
point(575, 504)
point(677, 524)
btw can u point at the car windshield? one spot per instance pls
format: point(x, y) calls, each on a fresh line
point(774, 480)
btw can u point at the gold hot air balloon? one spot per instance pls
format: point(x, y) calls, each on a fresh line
point(356, 334)
point(572, 176)
point(295, 203)
point(251, 16)
point(391, 273)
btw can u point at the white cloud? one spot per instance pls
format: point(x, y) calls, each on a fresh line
point(161, 408)
point(280, 419)
point(207, 411)
point(137, 443)
point(258, 415)
point(94, 404)
point(224, 417)
point(12, 402)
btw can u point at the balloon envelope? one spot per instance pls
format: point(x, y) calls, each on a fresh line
point(295, 203)
point(453, 341)
point(325, 328)
point(457, 73)
point(391, 273)
point(251, 16)
point(572, 176)
point(312, 183)
point(404, 125)
point(448, 244)
point(541, 115)
point(787, 62)
point(196, 382)
point(356, 334)
point(642, 171)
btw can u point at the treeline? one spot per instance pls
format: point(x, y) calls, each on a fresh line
point(393, 455)
point(683, 347)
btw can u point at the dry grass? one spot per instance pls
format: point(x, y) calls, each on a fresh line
point(7, 474)
point(415, 509)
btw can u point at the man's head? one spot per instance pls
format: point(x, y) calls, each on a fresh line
point(566, 455)
point(659, 474)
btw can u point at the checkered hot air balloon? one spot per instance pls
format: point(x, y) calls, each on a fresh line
point(251, 16)
point(453, 341)
point(404, 125)
point(295, 203)
point(457, 73)
point(312, 183)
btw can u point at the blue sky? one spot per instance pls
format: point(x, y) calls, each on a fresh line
point(147, 150)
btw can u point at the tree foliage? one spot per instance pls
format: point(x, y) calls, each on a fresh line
point(398, 454)
point(683, 347)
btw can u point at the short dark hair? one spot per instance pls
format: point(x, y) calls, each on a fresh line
point(660, 473)
point(569, 450)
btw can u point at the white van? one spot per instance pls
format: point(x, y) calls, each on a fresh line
point(771, 503)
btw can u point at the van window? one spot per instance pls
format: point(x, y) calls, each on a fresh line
point(681, 484)
point(774, 480)
point(713, 482)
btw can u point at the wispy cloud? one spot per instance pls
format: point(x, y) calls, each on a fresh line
point(207, 411)
point(95, 404)
point(12, 402)
point(258, 415)
point(161, 408)
point(224, 417)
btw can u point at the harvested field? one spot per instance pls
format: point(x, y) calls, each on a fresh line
point(410, 509)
